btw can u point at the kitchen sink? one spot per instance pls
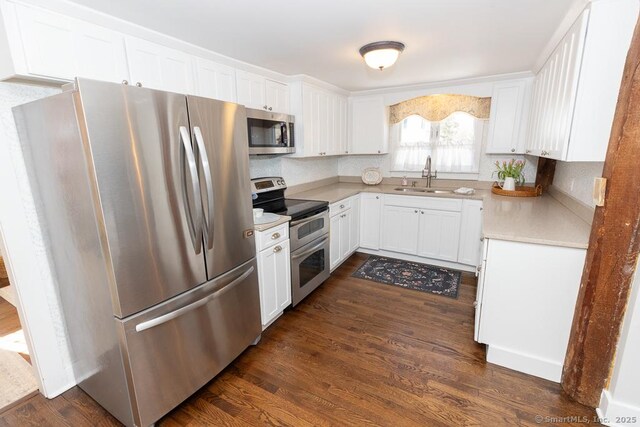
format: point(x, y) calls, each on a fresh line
point(422, 190)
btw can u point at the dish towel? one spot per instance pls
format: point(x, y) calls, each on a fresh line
point(464, 190)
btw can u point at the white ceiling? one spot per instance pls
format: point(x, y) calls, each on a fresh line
point(445, 39)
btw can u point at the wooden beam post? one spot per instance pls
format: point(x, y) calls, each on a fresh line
point(613, 249)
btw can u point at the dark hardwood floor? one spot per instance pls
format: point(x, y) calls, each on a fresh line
point(353, 353)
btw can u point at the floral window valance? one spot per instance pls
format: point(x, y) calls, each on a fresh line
point(438, 107)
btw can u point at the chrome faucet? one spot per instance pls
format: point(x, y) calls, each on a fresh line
point(426, 172)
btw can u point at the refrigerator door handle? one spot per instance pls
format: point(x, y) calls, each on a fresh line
point(195, 227)
point(187, 308)
point(202, 151)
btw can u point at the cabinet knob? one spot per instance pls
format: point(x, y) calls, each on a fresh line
point(138, 84)
point(378, 151)
point(264, 107)
point(125, 82)
point(513, 150)
point(275, 236)
point(346, 152)
point(277, 249)
point(270, 108)
point(377, 197)
point(528, 151)
point(422, 212)
point(416, 211)
point(341, 206)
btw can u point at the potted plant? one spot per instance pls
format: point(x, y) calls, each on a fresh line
point(510, 173)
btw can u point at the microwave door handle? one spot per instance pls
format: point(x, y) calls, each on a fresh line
point(187, 308)
point(206, 169)
point(283, 132)
point(310, 250)
point(195, 226)
point(306, 220)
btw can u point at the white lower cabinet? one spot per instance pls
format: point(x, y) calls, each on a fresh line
point(343, 230)
point(274, 273)
point(370, 220)
point(430, 228)
point(525, 310)
point(470, 232)
point(439, 234)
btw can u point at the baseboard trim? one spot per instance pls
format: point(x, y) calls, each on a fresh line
point(529, 364)
point(612, 412)
point(414, 258)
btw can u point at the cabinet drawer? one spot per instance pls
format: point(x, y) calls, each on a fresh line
point(265, 239)
point(432, 203)
point(339, 207)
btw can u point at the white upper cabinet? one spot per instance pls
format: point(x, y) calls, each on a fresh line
point(508, 117)
point(276, 96)
point(159, 67)
point(576, 91)
point(256, 91)
point(47, 45)
point(369, 131)
point(215, 80)
point(321, 121)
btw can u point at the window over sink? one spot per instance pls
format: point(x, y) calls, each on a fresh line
point(454, 143)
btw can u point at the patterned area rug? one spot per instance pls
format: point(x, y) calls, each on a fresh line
point(411, 275)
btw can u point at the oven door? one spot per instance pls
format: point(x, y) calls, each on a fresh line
point(309, 268)
point(306, 230)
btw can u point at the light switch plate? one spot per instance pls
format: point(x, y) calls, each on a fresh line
point(599, 191)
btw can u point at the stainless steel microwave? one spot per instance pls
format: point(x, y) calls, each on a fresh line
point(270, 133)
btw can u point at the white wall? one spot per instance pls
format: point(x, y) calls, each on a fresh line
point(622, 398)
point(294, 171)
point(26, 257)
point(576, 179)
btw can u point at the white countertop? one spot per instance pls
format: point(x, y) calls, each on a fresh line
point(263, 227)
point(542, 220)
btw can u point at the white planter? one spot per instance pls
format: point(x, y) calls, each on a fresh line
point(509, 184)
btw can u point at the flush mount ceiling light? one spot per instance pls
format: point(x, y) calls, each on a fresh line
point(381, 55)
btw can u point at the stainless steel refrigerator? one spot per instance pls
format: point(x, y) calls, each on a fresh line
point(144, 200)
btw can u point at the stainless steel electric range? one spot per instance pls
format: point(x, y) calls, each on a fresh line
point(308, 232)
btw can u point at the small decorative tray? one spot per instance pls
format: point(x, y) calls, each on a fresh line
point(372, 176)
point(520, 191)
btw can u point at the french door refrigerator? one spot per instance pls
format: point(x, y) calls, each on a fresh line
point(144, 200)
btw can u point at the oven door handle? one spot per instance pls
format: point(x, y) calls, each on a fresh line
point(311, 250)
point(306, 220)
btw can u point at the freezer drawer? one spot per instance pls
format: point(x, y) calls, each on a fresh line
point(172, 350)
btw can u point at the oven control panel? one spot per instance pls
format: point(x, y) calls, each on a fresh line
point(263, 185)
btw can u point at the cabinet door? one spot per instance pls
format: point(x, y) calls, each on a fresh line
point(506, 117)
point(251, 90)
point(334, 238)
point(439, 234)
point(480, 272)
point(343, 147)
point(370, 220)
point(470, 232)
point(555, 89)
point(158, 67)
point(369, 127)
point(400, 229)
point(215, 80)
point(345, 234)
point(276, 96)
point(274, 273)
point(354, 237)
point(62, 48)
